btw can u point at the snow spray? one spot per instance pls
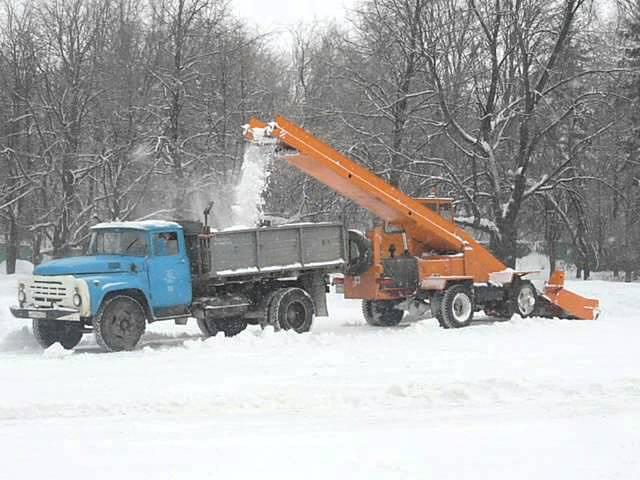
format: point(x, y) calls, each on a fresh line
point(248, 201)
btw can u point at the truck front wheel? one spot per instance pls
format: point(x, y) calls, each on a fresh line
point(231, 326)
point(119, 324)
point(208, 327)
point(48, 332)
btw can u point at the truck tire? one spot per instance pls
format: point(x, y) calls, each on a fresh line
point(292, 309)
point(364, 254)
point(231, 326)
point(457, 306)
point(119, 324)
point(208, 327)
point(48, 332)
point(382, 313)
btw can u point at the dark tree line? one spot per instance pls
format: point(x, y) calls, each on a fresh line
point(525, 112)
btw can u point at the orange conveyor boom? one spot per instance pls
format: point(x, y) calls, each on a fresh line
point(366, 189)
point(369, 191)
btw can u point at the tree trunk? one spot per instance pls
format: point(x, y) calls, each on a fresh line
point(13, 242)
point(553, 255)
point(505, 247)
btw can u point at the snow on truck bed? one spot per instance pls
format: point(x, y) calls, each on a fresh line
point(533, 398)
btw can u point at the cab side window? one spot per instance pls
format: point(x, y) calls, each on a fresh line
point(165, 244)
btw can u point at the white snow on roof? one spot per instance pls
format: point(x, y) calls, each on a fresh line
point(139, 225)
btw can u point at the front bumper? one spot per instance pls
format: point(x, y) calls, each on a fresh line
point(60, 313)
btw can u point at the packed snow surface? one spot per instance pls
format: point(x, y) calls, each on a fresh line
point(523, 399)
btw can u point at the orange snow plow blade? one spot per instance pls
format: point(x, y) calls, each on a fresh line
point(567, 304)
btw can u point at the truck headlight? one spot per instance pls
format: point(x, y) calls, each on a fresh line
point(22, 296)
point(77, 299)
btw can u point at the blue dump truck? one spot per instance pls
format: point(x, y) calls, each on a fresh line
point(139, 272)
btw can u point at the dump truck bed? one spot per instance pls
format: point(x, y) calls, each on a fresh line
point(270, 250)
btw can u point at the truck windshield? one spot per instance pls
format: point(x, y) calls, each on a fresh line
point(118, 242)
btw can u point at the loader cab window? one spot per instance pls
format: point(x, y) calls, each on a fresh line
point(391, 228)
point(446, 211)
point(165, 244)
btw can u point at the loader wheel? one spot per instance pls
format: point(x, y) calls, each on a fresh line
point(367, 313)
point(436, 308)
point(119, 324)
point(208, 327)
point(231, 326)
point(382, 313)
point(525, 296)
point(457, 307)
point(292, 309)
point(48, 332)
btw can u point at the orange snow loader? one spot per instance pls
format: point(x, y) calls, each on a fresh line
point(416, 258)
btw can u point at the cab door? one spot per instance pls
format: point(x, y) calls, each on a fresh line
point(169, 274)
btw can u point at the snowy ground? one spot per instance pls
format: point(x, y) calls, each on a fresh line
point(527, 399)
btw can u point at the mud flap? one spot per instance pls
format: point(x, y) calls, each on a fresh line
point(557, 301)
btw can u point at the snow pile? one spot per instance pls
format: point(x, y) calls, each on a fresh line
point(57, 351)
point(12, 335)
point(248, 201)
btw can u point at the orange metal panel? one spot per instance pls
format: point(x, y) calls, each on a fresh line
point(442, 266)
point(573, 304)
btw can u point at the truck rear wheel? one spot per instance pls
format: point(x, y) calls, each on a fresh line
point(457, 306)
point(382, 313)
point(119, 324)
point(292, 309)
point(48, 332)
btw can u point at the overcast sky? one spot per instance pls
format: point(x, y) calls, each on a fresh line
point(270, 15)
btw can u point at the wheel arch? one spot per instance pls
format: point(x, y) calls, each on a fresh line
point(134, 293)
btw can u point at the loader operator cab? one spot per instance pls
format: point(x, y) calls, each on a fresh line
point(442, 206)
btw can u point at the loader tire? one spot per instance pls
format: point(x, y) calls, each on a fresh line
point(436, 308)
point(292, 309)
point(48, 332)
point(524, 298)
point(207, 327)
point(382, 313)
point(457, 306)
point(367, 313)
point(231, 326)
point(119, 324)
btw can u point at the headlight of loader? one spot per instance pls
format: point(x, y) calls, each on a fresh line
point(77, 299)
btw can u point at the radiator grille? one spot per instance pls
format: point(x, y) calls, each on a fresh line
point(45, 293)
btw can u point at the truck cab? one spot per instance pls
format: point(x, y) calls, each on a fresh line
point(132, 272)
